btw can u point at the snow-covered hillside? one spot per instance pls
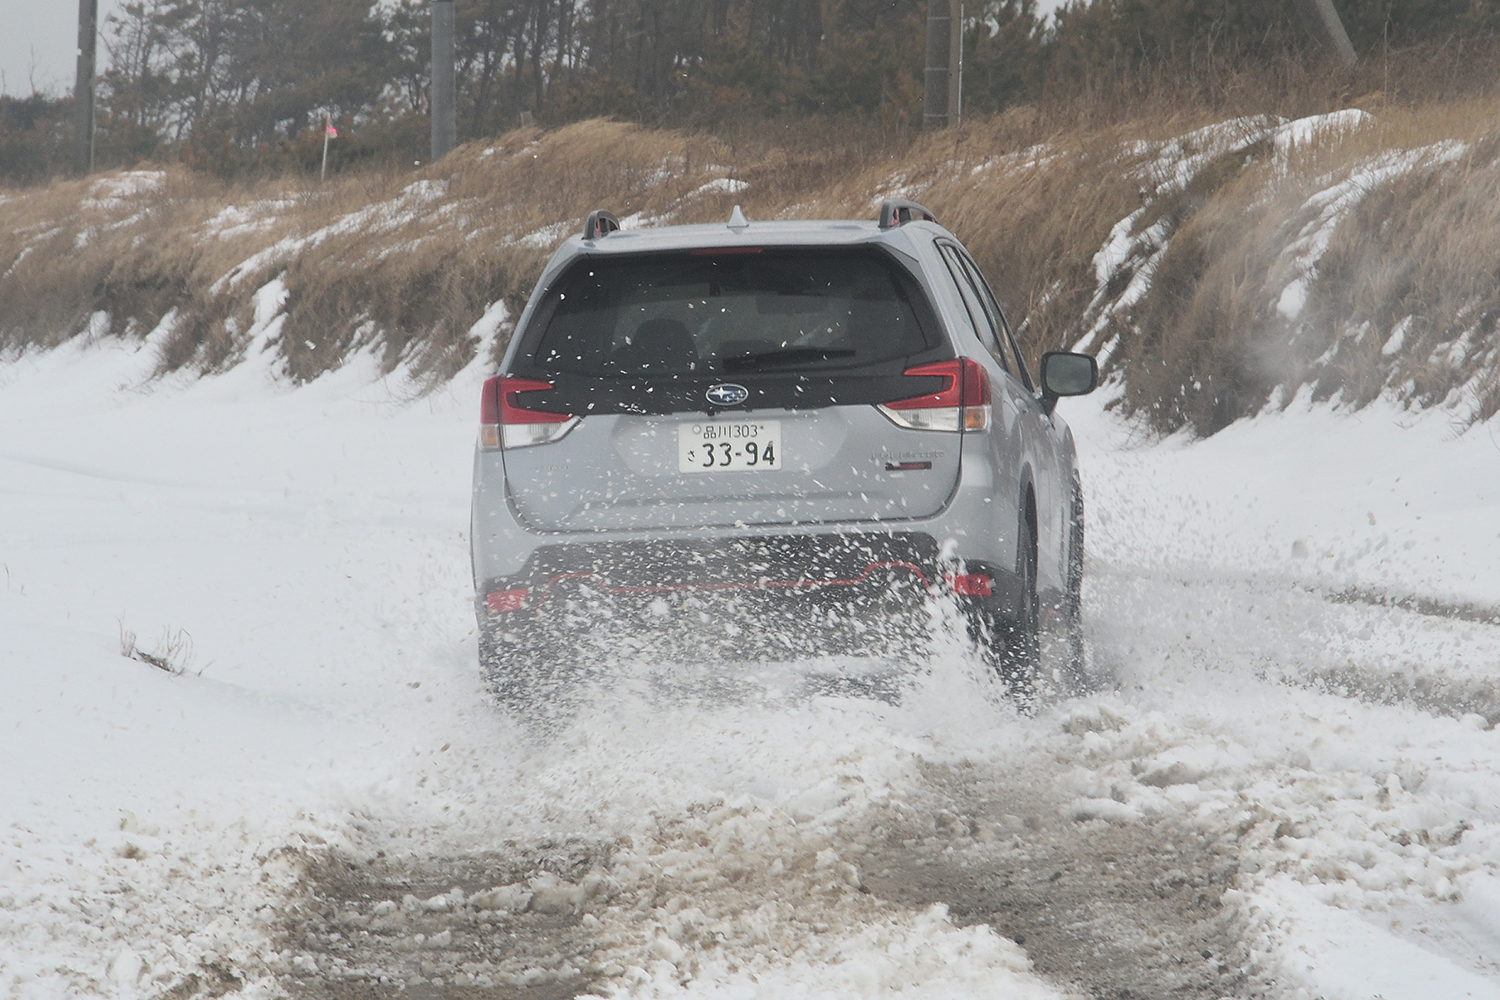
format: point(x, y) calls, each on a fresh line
point(1308, 777)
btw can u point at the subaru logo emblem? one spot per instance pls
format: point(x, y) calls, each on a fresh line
point(727, 394)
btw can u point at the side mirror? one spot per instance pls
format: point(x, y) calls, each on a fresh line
point(1067, 374)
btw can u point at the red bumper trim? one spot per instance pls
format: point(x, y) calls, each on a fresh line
point(663, 588)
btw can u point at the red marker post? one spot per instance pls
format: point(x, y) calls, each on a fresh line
point(329, 132)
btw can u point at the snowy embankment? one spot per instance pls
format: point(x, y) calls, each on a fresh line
point(1333, 253)
point(165, 830)
point(1220, 268)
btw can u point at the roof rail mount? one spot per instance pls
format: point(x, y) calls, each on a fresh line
point(899, 211)
point(600, 223)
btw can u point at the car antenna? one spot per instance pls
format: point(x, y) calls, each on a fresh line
point(737, 219)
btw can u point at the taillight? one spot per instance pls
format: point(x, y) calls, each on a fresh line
point(961, 405)
point(971, 584)
point(499, 602)
point(502, 420)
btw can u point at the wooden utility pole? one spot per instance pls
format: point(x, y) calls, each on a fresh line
point(83, 88)
point(444, 92)
point(942, 82)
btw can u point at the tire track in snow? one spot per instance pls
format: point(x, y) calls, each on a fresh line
point(697, 894)
point(1433, 655)
point(1332, 745)
point(1095, 834)
point(442, 926)
point(1109, 911)
point(1467, 611)
point(1116, 911)
point(1110, 898)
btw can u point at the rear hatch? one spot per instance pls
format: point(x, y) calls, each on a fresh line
point(728, 387)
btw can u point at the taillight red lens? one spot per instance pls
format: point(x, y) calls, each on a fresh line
point(489, 401)
point(976, 383)
point(963, 404)
point(511, 412)
point(503, 421)
point(972, 584)
point(489, 413)
point(968, 385)
point(503, 601)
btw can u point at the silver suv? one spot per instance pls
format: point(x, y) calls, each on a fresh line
point(769, 437)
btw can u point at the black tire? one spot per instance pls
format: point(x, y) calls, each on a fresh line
point(1020, 647)
point(1075, 554)
point(493, 665)
point(1074, 669)
point(518, 666)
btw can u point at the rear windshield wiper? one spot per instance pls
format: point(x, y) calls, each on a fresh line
point(786, 356)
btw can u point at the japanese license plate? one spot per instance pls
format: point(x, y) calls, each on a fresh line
point(729, 446)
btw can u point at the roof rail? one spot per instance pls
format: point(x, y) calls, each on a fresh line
point(898, 211)
point(599, 223)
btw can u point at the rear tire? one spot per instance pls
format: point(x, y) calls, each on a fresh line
point(493, 667)
point(1019, 648)
point(518, 667)
point(1075, 668)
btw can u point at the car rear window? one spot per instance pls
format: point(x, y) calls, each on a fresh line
point(708, 312)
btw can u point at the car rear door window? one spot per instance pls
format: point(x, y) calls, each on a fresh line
point(1013, 360)
point(720, 313)
point(980, 316)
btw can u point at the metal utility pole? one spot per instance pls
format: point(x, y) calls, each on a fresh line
point(444, 93)
point(1323, 23)
point(935, 79)
point(942, 84)
point(955, 62)
point(83, 88)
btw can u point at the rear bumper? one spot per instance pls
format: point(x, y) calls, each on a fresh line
point(874, 572)
point(807, 565)
point(790, 564)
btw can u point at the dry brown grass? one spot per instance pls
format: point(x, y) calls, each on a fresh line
point(135, 246)
point(404, 262)
point(1415, 245)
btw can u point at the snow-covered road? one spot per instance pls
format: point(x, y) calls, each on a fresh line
point(1284, 781)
